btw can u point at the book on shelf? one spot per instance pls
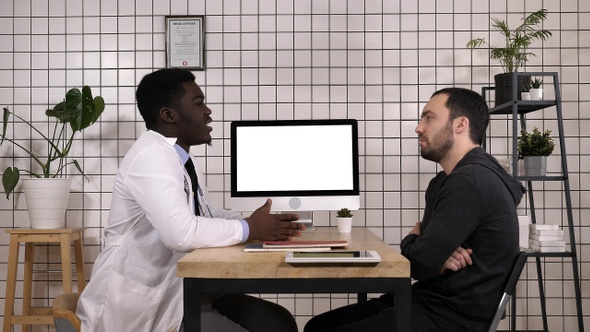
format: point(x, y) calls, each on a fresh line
point(543, 227)
point(546, 243)
point(546, 232)
point(548, 248)
point(546, 237)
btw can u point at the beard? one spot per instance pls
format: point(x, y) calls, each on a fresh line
point(439, 145)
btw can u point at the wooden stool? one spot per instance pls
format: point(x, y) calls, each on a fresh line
point(30, 237)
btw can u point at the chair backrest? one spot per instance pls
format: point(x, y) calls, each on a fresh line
point(64, 313)
point(508, 291)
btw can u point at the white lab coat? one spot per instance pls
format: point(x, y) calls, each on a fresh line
point(133, 286)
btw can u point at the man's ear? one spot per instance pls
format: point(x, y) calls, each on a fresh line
point(461, 124)
point(168, 115)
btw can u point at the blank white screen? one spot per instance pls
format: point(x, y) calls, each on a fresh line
point(289, 158)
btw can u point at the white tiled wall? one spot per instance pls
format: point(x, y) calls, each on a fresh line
point(377, 61)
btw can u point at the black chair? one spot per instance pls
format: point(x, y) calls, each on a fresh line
point(508, 291)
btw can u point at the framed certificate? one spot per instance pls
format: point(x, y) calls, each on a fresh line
point(185, 40)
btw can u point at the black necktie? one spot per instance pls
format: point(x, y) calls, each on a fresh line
point(190, 168)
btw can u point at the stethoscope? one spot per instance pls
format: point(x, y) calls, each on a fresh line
point(201, 198)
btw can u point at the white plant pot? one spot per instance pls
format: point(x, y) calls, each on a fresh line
point(535, 165)
point(47, 200)
point(525, 95)
point(536, 94)
point(344, 225)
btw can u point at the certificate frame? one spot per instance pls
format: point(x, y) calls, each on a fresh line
point(185, 42)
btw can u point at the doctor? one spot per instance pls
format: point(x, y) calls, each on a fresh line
point(155, 220)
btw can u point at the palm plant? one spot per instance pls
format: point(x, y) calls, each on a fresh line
point(78, 111)
point(515, 53)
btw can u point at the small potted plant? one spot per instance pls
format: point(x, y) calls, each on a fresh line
point(76, 112)
point(526, 92)
point(515, 53)
point(535, 90)
point(534, 148)
point(344, 216)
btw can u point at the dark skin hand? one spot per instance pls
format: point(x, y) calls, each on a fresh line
point(265, 226)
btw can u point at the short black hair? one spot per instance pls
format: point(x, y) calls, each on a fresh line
point(162, 88)
point(470, 104)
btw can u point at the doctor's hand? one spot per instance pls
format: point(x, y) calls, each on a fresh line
point(458, 260)
point(265, 226)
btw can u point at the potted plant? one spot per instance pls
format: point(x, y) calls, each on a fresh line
point(344, 216)
point(75, 113)
point(535, 89)
point(526, 92)
point(534, 148)
point(515, 53)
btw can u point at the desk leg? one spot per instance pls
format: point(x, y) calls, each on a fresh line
point(403, 311)
point(192, 307)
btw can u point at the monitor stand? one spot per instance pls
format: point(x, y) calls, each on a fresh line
point(306, 218)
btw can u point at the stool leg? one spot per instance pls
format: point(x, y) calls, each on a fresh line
point(28, 280)
point(11, 281)
point(78, 252)
point(66, 263)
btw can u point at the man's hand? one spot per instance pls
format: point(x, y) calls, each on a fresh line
point(265, 226)
point(458, 260)
point(416, 230)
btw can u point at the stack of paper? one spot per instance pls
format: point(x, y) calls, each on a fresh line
point(546, 238)
point(295, 245)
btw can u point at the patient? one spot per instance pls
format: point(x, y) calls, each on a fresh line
point(463, 250)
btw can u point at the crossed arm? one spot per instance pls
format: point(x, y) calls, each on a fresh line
point(458, 260)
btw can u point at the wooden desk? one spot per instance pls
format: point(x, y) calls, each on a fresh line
point(230, 270)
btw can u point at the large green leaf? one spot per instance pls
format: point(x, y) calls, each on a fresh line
point(10, 179)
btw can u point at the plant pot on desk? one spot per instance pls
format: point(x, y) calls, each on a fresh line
point(47, 199)
point(344, 225)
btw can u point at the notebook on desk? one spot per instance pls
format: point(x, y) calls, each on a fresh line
point(295, 245)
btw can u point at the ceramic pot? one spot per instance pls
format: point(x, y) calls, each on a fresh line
point(536, 94)
point(535, 165)
point(344, 225)
point(47, 200)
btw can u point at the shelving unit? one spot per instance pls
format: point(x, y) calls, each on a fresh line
point(519, 109)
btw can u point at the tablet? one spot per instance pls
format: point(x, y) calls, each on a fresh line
point(333, 256)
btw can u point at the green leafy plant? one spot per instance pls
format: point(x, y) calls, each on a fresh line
point(535, 143)
point(536, 83)
point(344, 213)
point(514, 54)
point(77, 111)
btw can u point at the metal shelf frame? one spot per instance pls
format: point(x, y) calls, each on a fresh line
point(519, 109)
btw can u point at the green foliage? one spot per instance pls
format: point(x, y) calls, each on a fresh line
point(515, 52)
point(78, 111)
point(344, 213)
point(536, 83)
point(535, 143)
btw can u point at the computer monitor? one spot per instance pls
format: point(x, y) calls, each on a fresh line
point(302, 165)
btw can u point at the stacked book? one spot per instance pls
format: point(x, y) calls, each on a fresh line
point(546, 238)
